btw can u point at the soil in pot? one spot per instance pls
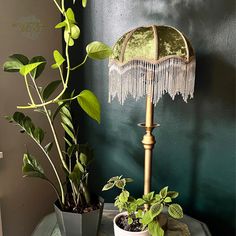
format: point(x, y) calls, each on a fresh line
point(122, 222)
point(71, 207)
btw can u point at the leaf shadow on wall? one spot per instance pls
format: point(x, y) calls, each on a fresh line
point(215, 102)
point(127, 154)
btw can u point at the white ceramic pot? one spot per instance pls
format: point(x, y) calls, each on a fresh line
point(120, 232)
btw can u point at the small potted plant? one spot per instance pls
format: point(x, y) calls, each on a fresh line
point(142, 216)
point(78, 211)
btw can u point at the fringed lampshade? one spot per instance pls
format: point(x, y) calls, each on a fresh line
point(151, 61)
point(156, 57)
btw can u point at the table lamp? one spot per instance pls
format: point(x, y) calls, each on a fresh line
point(151, 61)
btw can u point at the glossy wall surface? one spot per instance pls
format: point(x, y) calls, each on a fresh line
point(195, 144)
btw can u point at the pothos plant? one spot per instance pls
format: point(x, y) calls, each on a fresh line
point(143, 213)
point(75, 158)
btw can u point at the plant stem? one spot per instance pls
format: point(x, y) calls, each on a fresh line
point(47, 103)
point(56, 141)
point(85, 192)
point(67, 43)
point(57, 176)
point(55, 171)
point(55, 100)
point(62, 200)
point(74, 192)
point(69, 99)
point(85, 59)
point(59, 8)
point(62, 77)
point(28, 90)
point(55, 189)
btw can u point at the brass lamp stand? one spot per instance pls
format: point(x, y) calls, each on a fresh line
point(148, 141)
point(148, 144)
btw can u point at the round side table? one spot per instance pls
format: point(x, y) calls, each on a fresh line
point(48, 225)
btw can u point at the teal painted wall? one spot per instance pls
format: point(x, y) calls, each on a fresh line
point(195, 149)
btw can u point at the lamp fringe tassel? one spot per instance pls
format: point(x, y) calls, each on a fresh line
point(173, 76)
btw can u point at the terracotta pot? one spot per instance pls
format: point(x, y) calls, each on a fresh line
point(74, 224)
point(120, 232)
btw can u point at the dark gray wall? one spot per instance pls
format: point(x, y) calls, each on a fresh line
point(195, 150)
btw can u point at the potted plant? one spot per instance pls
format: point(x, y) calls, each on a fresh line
point(142, 216)
point(78, 212)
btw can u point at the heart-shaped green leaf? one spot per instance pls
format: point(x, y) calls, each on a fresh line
point(59, 59)
point(15, 62)
point(147, 218)
point(68, 39)
point(129, 180)
point(176, 211)
point(148, 196)
point(156, 209)
point(124, 195)
point(108, 186)
point(130, 220)
point(75, 31)
point(140, 202)
point(70, 15)
point(35, 73)
point(90, 104)
point(155, 229)
point(84, 3)
point(98, 50)
point(120, 183)
point(26, 69)
point(167, 200)
point(112, 179)
point(163, 192)
point(172, 194)
point(60, 25)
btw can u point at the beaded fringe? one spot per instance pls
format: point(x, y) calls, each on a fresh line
point(139, 78)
